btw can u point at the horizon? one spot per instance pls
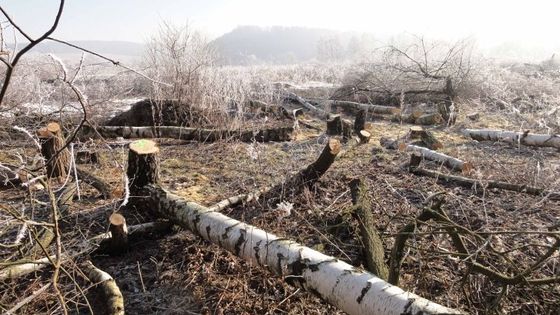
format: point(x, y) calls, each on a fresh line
point(489, 24)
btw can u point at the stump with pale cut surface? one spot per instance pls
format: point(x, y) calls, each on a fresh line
point(119, 233)
point(52, 141)
point(143, 165)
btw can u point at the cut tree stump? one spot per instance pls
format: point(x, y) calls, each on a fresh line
point(515, 138)
point(360, 121)
point(277, 134)
point(373, 246)
point(143, 165)
point(364, 136)
point(113, 296)
point(119, 234)
point(52, 141)
point(336, 126)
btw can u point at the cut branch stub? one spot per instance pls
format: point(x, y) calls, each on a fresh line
point(143, 165)
point(119, 233)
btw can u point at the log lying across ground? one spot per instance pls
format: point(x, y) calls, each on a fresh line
point(113, 296)
point(353, 107)
point(512, 137)
point(474, 183)
point(353, 290)
point(450, 162)
point(197, 134)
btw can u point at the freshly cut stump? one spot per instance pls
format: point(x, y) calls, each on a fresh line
point(143, 165)
point(119, 233)
point(52, 141)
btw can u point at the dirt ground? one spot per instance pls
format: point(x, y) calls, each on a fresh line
point(178, 273)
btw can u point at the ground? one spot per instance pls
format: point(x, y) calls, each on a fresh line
point(178, 273)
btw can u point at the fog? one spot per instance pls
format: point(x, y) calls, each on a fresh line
point(515, 29)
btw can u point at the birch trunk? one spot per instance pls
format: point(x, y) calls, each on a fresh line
point(351, 289)
point(515, 138)
point(446, 160)
point(202, 135)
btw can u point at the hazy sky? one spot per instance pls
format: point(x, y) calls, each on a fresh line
point(490, 21)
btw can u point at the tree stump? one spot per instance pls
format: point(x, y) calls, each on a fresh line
point(360, 121)
point(119, 234)
point(143, 165)
point(52, 141)
point(336, 126)
point(364, 136)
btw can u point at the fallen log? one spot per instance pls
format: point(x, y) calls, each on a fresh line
point(316, 111)
point(277, 134)
point(373, 246)
point(427, 137)
point(446, 160)
point(429, 119)
point(353, 107)
point(427, 154)
point(515, 138)
point(475, 184)
point(113, 296)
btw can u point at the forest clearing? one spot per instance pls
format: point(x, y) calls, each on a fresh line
point(423, 181)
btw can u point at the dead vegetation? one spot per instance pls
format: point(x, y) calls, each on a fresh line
point(485, 241)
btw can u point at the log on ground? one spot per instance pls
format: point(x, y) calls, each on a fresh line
point(113, 296)
point(277, 134)
point(515, 138)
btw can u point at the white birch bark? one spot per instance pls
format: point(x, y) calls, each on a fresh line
point(448, 161)
point(515, 138)
point(351, 289)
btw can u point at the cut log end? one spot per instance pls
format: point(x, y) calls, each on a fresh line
point(53, 127)
point(364, 136)
point(144, 146)
point(334, 146)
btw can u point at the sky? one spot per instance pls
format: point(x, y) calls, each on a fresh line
point(535, 22)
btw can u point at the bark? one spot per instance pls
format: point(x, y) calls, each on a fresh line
point(446, 160)
point(51, 142)
point(360, 121)
point(478, 184)
point(429, 119)
point(306, 177)
point(336, 126)
point(427, 137)
point(373, 246)
point(515, 138)
point(17, 270)
point(353, 107)
point(119, 234)
point(203, 135)
point(108, 285)
point(353, 290)
point(316, 111)
point(143, 165)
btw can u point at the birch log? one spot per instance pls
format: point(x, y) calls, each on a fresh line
point(444, 159)
point(203, 135)
point(353, 107)
point(315, 110)
point(351, 289)
point(515, 138)
point(427, 154)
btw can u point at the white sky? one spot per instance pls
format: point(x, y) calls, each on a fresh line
point(489, 21)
